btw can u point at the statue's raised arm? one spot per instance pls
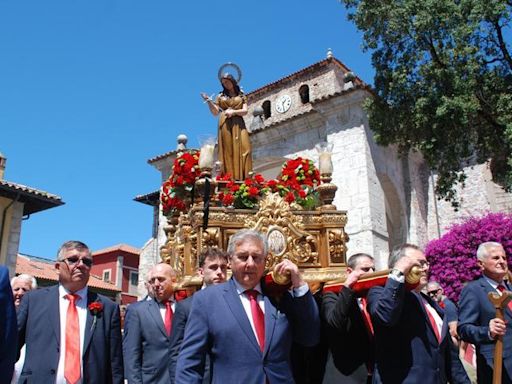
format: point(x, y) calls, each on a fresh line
point(231, 104)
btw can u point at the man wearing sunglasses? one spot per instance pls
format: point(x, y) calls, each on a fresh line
point(436, 293)
point(72, 335)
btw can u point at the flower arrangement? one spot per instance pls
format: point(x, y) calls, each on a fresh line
point(453, 257)
point(245, 195)
point(296, 184)
point(185, 170)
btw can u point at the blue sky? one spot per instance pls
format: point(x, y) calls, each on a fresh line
point(89, 90)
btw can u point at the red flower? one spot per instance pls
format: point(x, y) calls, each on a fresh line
point(253, 191)
point(228, 199)
point(290, 197)
point(224, 177)
point(302, 194)
point(248, 182)
point(272, 183)
point(95, 307)
point(234, 188)
point(180, 294)
point(259, 178)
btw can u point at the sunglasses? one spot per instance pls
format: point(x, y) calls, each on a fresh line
point(75, 260)
point(433, 293)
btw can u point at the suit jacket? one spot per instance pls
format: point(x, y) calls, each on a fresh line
point(219, 325)
point(406, 347)
point(146, 346)
point(309, 364)
point(474, 315)
point(39, 328)
point(8, 327)
point(179, 322)
point(350, 341)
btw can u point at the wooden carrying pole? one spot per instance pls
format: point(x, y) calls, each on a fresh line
point(500, 302)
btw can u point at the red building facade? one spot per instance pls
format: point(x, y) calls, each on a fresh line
point(119, 265)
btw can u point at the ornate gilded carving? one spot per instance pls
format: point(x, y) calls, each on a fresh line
point(337, 245)
point(285, 231)
point(298, 235)
point(210, 237)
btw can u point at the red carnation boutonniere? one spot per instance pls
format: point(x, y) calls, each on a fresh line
point(96, 307)
point(180, 294)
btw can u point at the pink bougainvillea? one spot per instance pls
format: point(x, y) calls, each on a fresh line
point(453, 257)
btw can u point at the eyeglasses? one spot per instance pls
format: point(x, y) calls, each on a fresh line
point(75, 260)
point(424, 264)
point(244, 257)
point(433, 293)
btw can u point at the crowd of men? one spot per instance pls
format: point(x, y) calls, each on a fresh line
point(238, 331)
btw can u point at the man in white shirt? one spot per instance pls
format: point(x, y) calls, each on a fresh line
point(477, 316)
point(72, 335)
point(247, 334)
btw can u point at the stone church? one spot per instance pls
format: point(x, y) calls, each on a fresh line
point(389, 199)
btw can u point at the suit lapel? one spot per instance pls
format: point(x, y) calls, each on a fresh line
point(54, 312)
point(235, 305)
point(89, 329)
point(488, 288)
point(420, 298)
point(270, 322)
point(154, 313)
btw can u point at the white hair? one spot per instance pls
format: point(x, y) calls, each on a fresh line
point(31, 279)
point(483, 248)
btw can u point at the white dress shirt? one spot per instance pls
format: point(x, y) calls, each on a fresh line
point(163, 309)
point(295, 292)
point(438, 320)
point(81, 308)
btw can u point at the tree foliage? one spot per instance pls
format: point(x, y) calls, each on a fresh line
point(443, 82)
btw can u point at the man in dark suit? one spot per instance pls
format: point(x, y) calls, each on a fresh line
point(410, 334)
point(8, 327)
point(477, 316)
point(349, 326)
point(247, 334)
point(212, 268)
point(147, 331)
point(72, 335)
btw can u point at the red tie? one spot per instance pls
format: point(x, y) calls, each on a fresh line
point(432, 322)
point(369, 328)
point(366, 317)
point(168, 318)
point(72, 358)
point(257, 317)
point(502, 288)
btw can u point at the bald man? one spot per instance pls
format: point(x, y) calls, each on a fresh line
point(147, 330)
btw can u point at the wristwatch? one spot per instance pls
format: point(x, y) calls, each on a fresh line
point(397, 275)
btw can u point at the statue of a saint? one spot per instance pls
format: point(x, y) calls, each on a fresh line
point(234, 145)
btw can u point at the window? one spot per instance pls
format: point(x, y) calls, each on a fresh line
point(134, 282)
point(106, 275)
point(304, 94)
point(266, 109)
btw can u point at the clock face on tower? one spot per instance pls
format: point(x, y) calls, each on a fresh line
point(283, 103)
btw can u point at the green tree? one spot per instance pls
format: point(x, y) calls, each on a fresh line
point(443, 82)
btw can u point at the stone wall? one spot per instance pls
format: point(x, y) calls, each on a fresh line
point(479, 196)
